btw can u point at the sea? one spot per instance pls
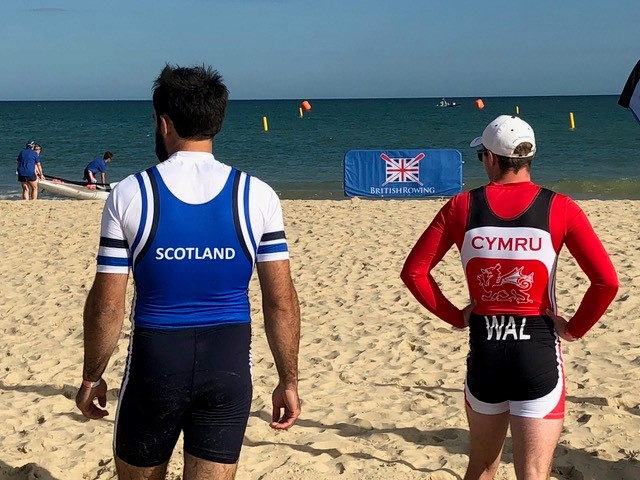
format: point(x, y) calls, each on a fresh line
point(302, 157)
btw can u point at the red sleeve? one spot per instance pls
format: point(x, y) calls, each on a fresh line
point(446, 229)
point(586, 248)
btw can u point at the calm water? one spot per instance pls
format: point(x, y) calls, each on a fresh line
point(302, 157)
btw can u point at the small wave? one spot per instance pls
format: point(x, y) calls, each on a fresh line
point(602, 189)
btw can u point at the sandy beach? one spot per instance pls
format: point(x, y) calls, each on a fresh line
point(381, 380)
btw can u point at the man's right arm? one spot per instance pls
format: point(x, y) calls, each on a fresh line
point(103, 317)
point(434, 243)
point(282, 325)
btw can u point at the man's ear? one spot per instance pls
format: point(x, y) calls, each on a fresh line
point(165, 125)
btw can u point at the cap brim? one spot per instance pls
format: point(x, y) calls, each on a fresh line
point(476, 141)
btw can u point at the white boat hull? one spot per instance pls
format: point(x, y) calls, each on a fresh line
point(73, 191)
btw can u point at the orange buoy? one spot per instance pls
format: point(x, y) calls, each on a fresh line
point(306, 106)
point(479, 104)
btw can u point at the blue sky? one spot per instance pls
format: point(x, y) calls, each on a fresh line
point(80, 49)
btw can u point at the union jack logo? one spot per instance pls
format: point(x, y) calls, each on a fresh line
point(402, 169)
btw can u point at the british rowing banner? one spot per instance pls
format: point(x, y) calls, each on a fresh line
point(402, 173)
point(630, 97)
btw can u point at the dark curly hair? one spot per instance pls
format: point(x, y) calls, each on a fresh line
point(195, 99)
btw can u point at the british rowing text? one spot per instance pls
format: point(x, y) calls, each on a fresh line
point(502, 331)
point(401, 190)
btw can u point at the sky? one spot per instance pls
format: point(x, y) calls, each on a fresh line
point(290, 49)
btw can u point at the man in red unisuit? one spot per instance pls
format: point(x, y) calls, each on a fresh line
point(509, 234)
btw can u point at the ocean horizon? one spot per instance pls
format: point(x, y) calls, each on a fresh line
point(303, 157)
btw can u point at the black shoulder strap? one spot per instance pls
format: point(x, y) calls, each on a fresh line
point(156, 215)
point(536, 215)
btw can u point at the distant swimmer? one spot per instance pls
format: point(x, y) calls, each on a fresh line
point(191, 230)
point(99, 165)
point(29, 170)
point(509, 234)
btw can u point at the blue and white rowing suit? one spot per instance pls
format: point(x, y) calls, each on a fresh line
point(191, 229)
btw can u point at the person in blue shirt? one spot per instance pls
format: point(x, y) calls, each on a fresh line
point(29, 170)
point(99, 165)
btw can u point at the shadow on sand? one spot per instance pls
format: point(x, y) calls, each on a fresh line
point(569, 463)
point(29, 471)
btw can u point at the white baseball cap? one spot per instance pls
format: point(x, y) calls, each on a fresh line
point(504, 134)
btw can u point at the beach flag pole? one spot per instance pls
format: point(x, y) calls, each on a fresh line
point(630, 96)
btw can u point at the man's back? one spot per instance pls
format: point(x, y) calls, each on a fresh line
point(27, 160)
point(194, 229)
point(97, 165)
point(567, 225)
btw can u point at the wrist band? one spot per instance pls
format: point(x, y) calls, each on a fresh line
point(90, 384)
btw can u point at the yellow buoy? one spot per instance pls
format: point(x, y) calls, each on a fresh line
point(572, 121)
point(301, 114)
point(517, 110)
point(265, 124)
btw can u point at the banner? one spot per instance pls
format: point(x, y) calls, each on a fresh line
point(402, 173)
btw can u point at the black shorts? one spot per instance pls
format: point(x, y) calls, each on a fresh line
point(515, 365)
point(27, 178)
point(194, 380)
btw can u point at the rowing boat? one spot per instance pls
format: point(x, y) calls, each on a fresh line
point(72, 189)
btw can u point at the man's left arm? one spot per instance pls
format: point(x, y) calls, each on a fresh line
point(39, 171)
point(103, 318)
point(282, 325)
point(585, 246)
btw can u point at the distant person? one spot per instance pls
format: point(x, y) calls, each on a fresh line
point(191, 229)
point(29, 170)
point(99, 165)
point(509, 234)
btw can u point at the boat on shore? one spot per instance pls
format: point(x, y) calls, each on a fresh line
point(445, 103)
point(74, 189)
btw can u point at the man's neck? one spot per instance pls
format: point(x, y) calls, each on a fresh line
point(523, 175)
point(182, 145)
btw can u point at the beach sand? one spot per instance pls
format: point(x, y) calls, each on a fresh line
point(381, 380)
